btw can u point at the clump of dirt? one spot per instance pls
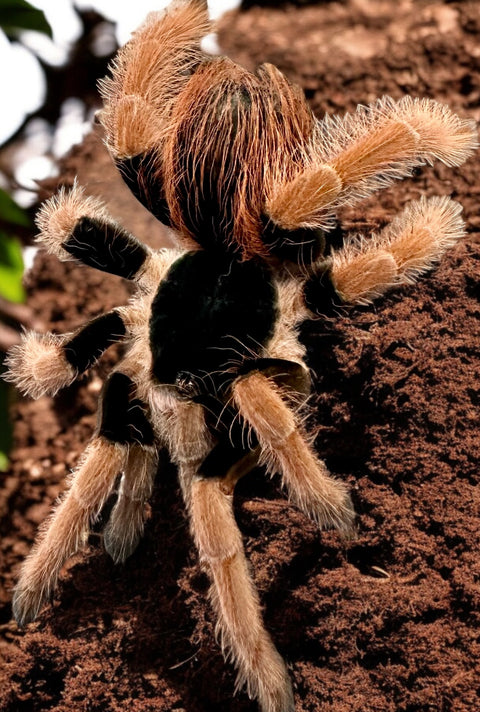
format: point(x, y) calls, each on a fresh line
point(388, 622)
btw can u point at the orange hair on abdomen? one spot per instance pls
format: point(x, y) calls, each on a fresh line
point(232, 134)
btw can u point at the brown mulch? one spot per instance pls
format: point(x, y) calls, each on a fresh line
point(387, 623)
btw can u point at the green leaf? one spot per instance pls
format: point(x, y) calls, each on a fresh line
point(11, 269)
point(10, 212)
point(3, 462)
point(17, 15)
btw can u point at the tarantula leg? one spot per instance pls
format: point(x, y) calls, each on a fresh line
point(122, 422)
point(124, 418)
point(125, 526)
point(67, 529)
point(76, 227)
point(366, 151)
point(189, 442)
point(240, 627)
point(213, 526)
point(285, 450)
point(44, 363)
point(144, 178)
point(148, 73)
point(364, 269)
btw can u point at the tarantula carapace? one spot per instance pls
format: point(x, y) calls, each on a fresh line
point(214, 370)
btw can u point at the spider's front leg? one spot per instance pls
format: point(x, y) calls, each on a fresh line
point(284, 449)
point(122, 426)
point(233, 595)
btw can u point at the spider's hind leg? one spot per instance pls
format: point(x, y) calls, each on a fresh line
point(121, 423)
point(125, 526)
point(67, 529)
point(235, 599)
point(125, 419)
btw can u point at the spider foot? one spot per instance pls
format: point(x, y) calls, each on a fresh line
point(270, 683)
point(67, 530)
point(38, 366)
point(311, 487)
point(27, 603)
point(58, 217)
point(124, 530)
point(62, 537)
point(44, 363)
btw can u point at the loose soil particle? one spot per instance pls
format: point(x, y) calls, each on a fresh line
point(386, 623)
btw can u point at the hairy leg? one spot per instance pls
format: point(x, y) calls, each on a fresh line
point(285, 450)
point(77, 227)
point(44, 363)
point(149, 72)
point(366, 268)
point(234, 597)
point(121, 424)
point(219, 543)
point(125, 526)
point(67, 529)
point(74, 226)
point(365, 151)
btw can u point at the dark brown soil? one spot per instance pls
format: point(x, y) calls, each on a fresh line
point(387, 623)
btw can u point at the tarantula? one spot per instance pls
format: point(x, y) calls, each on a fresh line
point(214, 371)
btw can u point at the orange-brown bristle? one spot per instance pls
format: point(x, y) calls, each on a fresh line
point(233, 135)
point(148, 74)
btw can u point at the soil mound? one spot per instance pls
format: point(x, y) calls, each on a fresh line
point(387, 623)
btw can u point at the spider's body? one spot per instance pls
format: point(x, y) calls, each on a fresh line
point(214, 370)
point(204, 319)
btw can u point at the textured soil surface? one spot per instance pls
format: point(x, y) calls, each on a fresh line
point(386, 623)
